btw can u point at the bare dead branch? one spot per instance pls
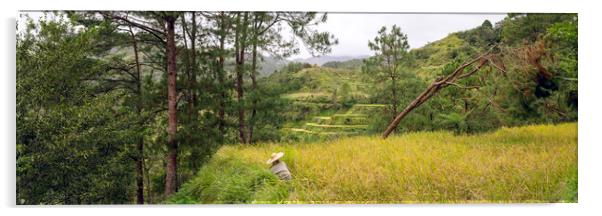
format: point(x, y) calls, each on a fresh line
point(439, 84)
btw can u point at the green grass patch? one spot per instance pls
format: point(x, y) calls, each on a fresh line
point(229, 180)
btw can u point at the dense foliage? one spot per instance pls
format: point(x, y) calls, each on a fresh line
point(72, 144)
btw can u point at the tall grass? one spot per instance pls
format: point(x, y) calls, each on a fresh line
point(526, 164)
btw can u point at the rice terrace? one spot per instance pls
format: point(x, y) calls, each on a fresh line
point(242, 107)
point(525, 164)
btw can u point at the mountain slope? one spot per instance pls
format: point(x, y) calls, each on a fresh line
point(325, 101)
point(430, 59)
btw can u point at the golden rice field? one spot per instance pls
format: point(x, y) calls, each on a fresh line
point(524, 164)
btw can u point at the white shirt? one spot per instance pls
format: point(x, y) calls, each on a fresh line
point(281, 170)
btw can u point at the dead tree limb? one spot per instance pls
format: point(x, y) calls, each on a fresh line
point(437, 85)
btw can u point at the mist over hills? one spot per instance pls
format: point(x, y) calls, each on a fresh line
point(270, 64)
point(320, 60)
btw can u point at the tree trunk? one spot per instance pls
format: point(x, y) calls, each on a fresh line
point(188, 69)
point(393, 94)
point(191, 89)
point(140, 144)
point(191, 69)
point(241, 37)
point(193, 94)
point(222, 95)
point(253, 89)
point(193, 82)
point(140, 172)
point(221, 79)
point(172, 144)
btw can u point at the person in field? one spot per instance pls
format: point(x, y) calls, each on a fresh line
point(279, 168)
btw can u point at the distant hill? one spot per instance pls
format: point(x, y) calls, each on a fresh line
point(353, 64)
point(269, 64)
point(320, 60)
point(318, 84)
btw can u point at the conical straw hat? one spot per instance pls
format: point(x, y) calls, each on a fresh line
point(275, 156)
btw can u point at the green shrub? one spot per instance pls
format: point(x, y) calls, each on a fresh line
point(230, 180)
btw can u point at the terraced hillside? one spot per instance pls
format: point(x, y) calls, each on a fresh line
point(328, 102)
point(322, 84)
point(353, 121)
point(334, 99)
point(432, 58)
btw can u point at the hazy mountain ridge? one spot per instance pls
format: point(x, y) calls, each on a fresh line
point(270, 64)
point(320, 60)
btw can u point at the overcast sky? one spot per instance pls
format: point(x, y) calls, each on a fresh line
point(354, 30)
